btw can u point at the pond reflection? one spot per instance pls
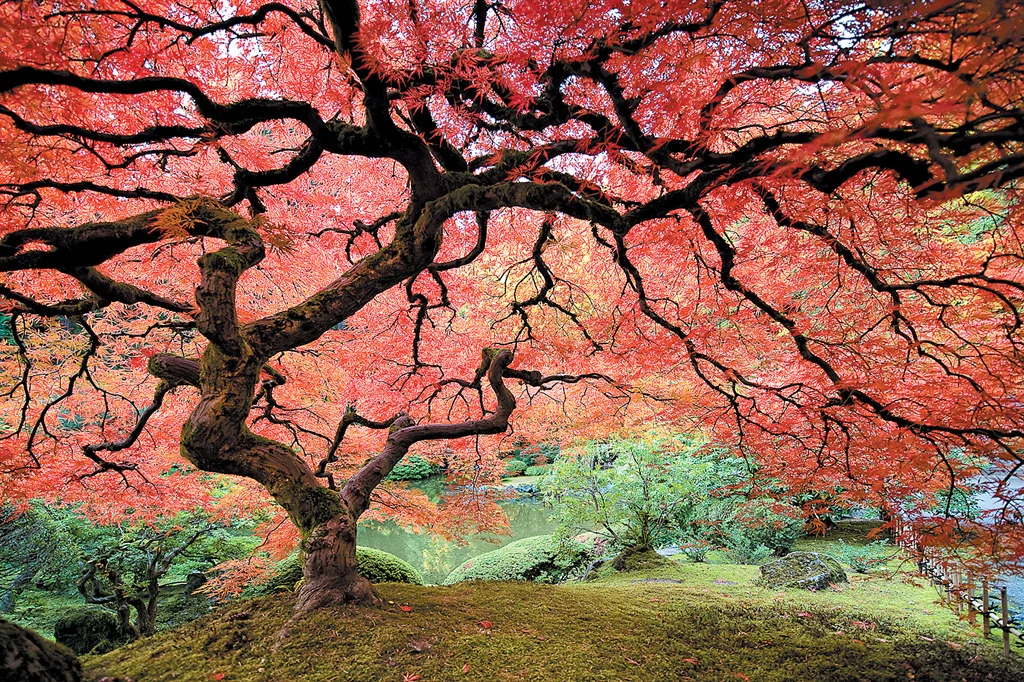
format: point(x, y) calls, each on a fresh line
point(436, 557)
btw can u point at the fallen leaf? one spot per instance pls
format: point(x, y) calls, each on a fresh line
point(465, 669)
point(405, 608)
point(486, 624)
point(631, 661)
point(691, 661)
point(217, 676)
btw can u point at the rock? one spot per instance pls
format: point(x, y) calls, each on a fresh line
point(88, 631)
point(194, 581)
point(27, 657)
point(671, 550)
point(807, 570)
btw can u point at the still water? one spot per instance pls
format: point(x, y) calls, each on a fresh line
point(436, 557)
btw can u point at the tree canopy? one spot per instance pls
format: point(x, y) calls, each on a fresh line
point(255, 236)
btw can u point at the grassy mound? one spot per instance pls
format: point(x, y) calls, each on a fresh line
point(539, 558)
point(715, 625)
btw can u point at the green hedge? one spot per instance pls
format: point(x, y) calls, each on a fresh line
point(540, 559)
point(515, 467)
point(375, 565)
point(536, 471)
point(412, 469)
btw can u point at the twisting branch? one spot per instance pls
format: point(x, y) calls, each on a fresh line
point(351, 417)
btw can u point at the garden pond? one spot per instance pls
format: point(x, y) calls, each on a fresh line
point(435, 557)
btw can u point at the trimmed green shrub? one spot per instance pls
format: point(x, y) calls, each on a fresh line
point(515, 467)
point(536, 471)
point(89, 630)
point(375, 565)
point(25, 656)
point(541, 559)
point(412, 469)
point(743, 550)
point(378, 566)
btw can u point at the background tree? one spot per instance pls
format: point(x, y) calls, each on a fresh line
point(795, 225)
point(124, 572)
point(39, 543)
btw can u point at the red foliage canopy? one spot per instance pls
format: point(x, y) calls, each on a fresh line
point(793, 226)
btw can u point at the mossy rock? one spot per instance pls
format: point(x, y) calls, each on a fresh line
point(540, 559)
point(375, 565)
point(806, 570)
point(27, 657)
point(89, 631)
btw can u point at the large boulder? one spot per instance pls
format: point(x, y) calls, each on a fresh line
point(807, 570)
point(540, 559)
point(88, 631)
point(27, 657)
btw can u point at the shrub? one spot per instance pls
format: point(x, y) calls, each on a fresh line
point(375, 565)
point(633, 503)
point(764, 521)
point(535, 471)
point(378, 566)
point(541, 559)
point(515, 467)
point(412, 469)
point(743, 550)
point(862, 558)
point(89, 630)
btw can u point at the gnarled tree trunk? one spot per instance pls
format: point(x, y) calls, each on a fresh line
point(330, 569)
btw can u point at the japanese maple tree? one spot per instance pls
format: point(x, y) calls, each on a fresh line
point(267, 232)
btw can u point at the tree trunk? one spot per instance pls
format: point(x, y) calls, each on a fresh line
point(330, 569)
point(9, 596)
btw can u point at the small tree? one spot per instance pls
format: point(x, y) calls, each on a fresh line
point(37, 543)
point(125, 572)
point(633, 502)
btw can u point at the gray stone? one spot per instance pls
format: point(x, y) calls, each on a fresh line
point(26, 657)
point(806, 570)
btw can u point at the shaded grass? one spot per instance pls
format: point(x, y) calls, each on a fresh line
point(39, 610)
point(613, 630)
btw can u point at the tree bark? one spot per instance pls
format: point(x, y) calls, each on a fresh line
point(23, 578)
point(330, 570)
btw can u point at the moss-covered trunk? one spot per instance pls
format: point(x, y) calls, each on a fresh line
point(330, 567)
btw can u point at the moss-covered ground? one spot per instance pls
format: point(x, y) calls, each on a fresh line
point(674, 621)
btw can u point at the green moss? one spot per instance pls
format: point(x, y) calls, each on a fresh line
point(646, 631)
point(632, 560)
point(318, 505)
point(89, 630)
point(541, 559)
point(807, 570)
